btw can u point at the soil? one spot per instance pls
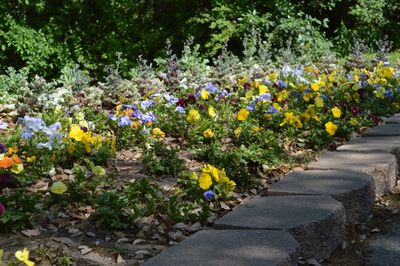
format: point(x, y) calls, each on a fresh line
point(355, 249)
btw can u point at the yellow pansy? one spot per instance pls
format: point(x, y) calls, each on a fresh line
point(336, 112)
point(76, 133)
point(208, 133)
point(212, 170)
point(330, 128)
point(242, 114)
point(71, 147)
point(315, 86)
point(262, 89)
point(211, 112)
point(282, 95)
point(17, 168)
point(354, 121)
point(58, 187)
point(31, 159)
point(205, 94)
point(205, 181)
point(23, 256)
point(256, 129)
point(157, 133)
point(238, 131)
point(319, 102)
point(193, 116)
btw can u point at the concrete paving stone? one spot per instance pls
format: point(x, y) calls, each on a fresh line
point(231, 247)
point(355, 190)
point(387, 144)
point(316, 222)
point(381, 166)
point(394, 119)
point(383, 130)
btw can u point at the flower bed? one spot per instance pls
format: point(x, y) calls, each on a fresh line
point(127, 156)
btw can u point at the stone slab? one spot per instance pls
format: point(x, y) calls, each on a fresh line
point(387, 144)
point(316, 222)
point(381, 166)
point(394, 119)
point(355, 190)
point(383, 130)
point(231, 247)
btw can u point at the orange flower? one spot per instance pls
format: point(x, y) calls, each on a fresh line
point(6, 162)
point(17, 159)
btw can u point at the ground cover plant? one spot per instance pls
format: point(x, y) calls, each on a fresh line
point(159, 155)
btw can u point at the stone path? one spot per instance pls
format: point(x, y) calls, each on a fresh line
point(305, 214)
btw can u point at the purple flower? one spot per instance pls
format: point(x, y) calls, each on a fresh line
point(125, 121)
point(209, 195)
point(389, 94)
point(6, 180)
point(265, 96)
point(2, 209)
point(3, 148)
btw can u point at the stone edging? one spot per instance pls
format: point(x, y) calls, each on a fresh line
point(303, 214)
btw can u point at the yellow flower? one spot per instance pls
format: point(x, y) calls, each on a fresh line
point(99, 171)
point(262, 89)
point(205, 94)
point(256, 129)
point(157, 133)
point(330, 128)
point(211, 112)
point(23, 255)
point(193, 116)
point(354, 121)
point(238, 131)
point(314, 86)
point(387, 72)
point(31, 159)
point(310, 114)
point(336, 112)
point(242, 114)
point(71, 147)
point(208, 133)
point(211, 170)
point(87, 140)
point(319, 101)
point(282, 95)
point(58, 188)
point(76, 133)
point(205, 181)
point(276, 106)
point(17, 168)
point(12, 150)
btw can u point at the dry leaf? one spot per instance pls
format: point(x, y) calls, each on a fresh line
point(84, 249)
point(30, 232)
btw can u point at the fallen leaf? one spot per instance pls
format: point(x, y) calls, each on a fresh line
point(119, 259)
point(84, 249)
point(30, 232)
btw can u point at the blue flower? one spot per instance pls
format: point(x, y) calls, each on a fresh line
point(125, 121)
point(147, 103)
point(147, 117)
point(282, 84)
point(323, 96)
point(3, 125)
point(26, 134)
point(171, 99)
point(209, 195)
point(211, 88)
point(180, 109)
point(389, 94)
point(112, 117)
point(272, 110)
point(136, 113)
point(265, 96)
point(128, 106)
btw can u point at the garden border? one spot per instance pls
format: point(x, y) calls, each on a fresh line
point(303, 214)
